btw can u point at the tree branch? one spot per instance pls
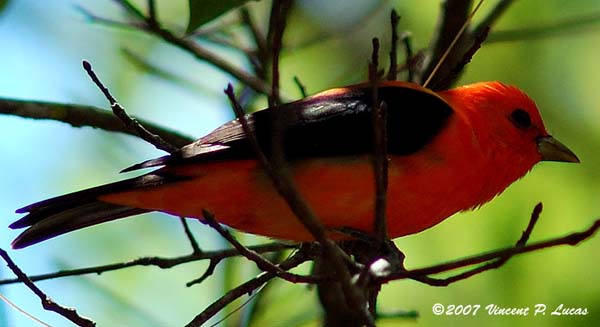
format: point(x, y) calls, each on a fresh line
point(454, 15)
point(127, 120)
point(248, 287)
point(47, 302)
point(570, 239)
point(380, 155)
point(160, 262)
point(80, 115)
point(535, 215)
point(262, 263)
point(393, 71)
point(190, 236)
point(212, 265)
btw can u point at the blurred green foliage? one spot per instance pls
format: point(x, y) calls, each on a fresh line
point(327, 45)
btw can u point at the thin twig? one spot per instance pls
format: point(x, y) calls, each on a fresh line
point(47, 303)
point(261, 300)
point(279, 11)
point(535, 215)
point(393, 72)
point(300, 86)
point(80, 115)
point(247, 288)
point(160, 262)
point(570, 239)
point(23, 311)
point(190, 235)
point(129, 121)
point(408, 52)
point(212, 265)
point(152, 16)
point(260, 41)
point(262, 263)
point(380, 158)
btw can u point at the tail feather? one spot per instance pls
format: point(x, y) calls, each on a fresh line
point(88, 214)
point(56, 216)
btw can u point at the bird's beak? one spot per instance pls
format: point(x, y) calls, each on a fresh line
point(552, 150)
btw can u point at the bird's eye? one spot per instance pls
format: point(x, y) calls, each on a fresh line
point(520, 118)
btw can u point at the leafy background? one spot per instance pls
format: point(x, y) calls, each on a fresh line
point(328, 45)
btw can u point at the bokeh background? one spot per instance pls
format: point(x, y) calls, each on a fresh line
point(41, 49)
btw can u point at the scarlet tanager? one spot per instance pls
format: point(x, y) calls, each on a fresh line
point(448, 151)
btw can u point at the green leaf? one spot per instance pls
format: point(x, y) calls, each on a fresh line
point(203, 11)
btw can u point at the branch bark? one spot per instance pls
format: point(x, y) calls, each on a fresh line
point(81, 115)
point(570, 239)
point(160, 262)
point(47, 303)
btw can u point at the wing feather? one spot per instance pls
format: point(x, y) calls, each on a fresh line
point(332, 123)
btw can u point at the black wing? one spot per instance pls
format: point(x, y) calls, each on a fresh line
point(333, 123)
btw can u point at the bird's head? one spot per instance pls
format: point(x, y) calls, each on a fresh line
point(509, 120)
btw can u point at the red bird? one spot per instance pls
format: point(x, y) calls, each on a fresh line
point(448, 151)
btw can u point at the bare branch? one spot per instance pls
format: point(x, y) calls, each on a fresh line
point(277, 23)
point(47, 302)
point(261, 262)
point(300, 86)
point(393, 71)
point(260, 40)
point(152, 16)
point(380, 156)
point(189, 235)
point(212, 265)
point(570, 239)
point(247, 288)
point(410, 59)
point(160, 262)
point(80, 115)
point(129, 121)
point(535, 215)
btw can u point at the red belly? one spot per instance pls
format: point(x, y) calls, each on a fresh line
point(340, 192)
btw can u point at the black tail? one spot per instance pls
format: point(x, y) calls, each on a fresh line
point(66, 213)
